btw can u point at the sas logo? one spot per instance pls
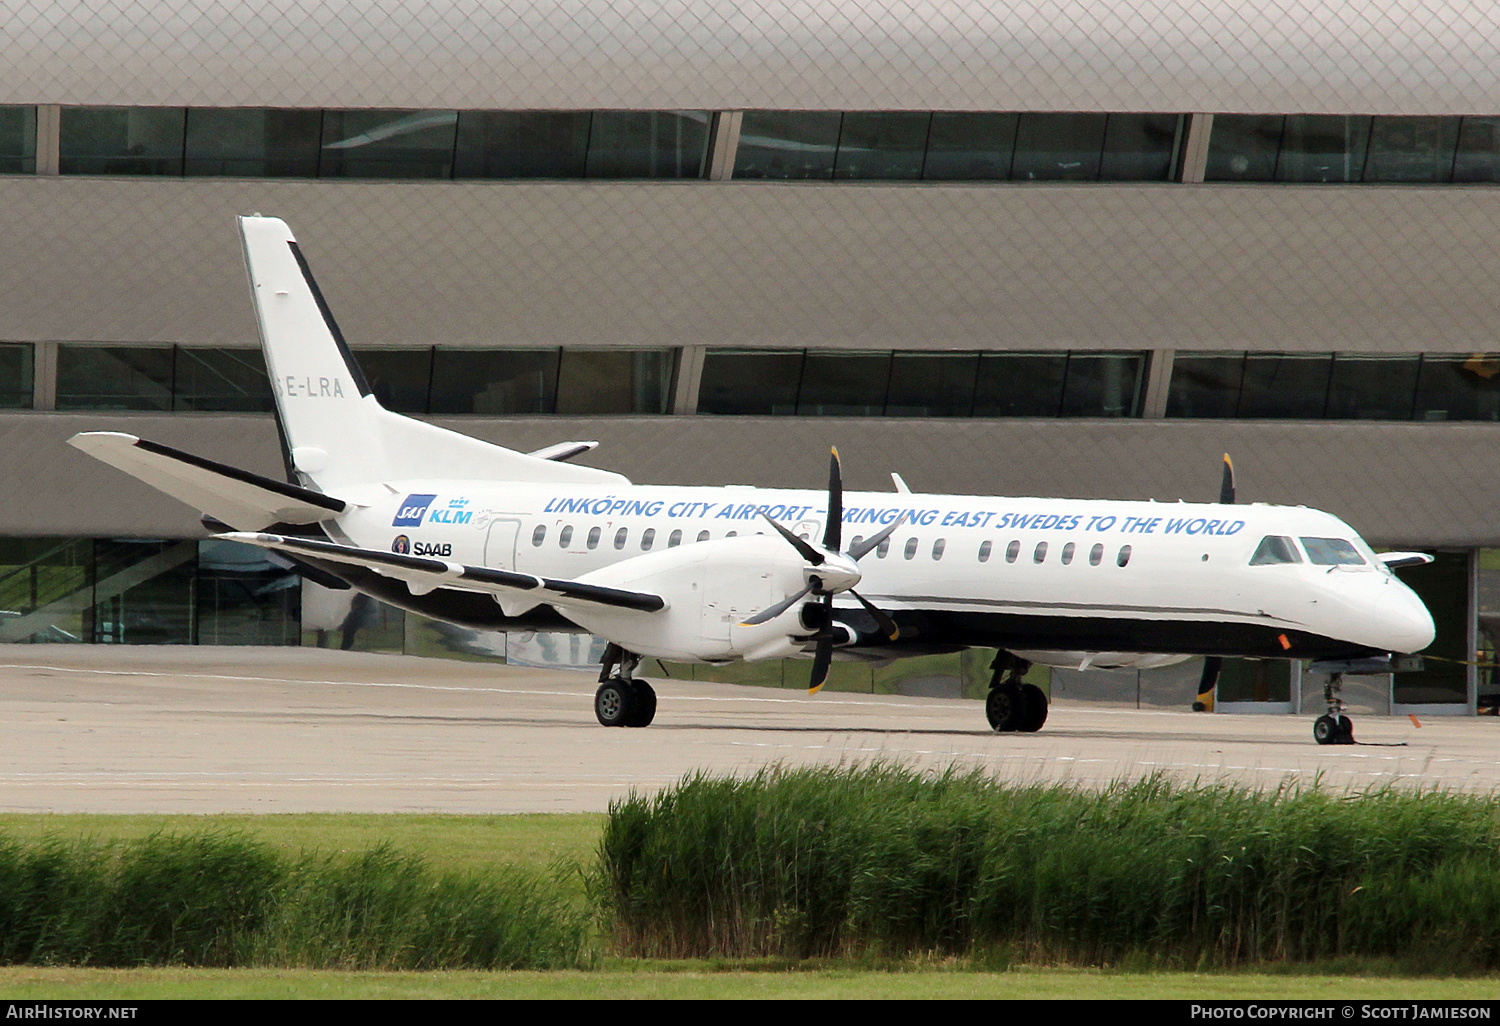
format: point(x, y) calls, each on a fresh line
point(411, 511)
point(402, 545)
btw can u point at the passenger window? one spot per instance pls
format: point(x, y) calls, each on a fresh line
point(857, 539)
point(674, 539)
point(620, 538)
point(1067, 553)
point(732, 534)
point(703, 536)
point(566, 537)
point(539, 535)
point(1331, 552)
point(883, 547)
point(1274, 548)
point(648, 538)
point(984, 551)
point(911, 547)
point(594, 533)
point(1012, 551)
point(938, 547)
point(1124, 556)
point(1040, 553)
point(1096, 555)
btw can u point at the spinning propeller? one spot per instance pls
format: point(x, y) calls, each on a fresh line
point(1214, 664)
point(829, 571)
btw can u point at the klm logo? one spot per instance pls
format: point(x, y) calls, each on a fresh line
point(411, 510)
point(453, 514)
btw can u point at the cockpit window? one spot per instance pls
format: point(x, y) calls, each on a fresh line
point(1331, 552)
point(1273, 548)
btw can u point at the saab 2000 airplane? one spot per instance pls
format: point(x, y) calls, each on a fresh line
point(476, 534)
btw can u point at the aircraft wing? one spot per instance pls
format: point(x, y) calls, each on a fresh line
point(423, 574)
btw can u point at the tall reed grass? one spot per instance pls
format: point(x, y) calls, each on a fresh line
point(222, 899)
point(888, 861)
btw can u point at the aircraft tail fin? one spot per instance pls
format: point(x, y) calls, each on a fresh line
point(335, 432)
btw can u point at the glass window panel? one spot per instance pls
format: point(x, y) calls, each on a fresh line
point(1059, 147)
point(1459, 387)
point(932, 385)
point(965, 147)
point(521, 144)
point(787, 144)
point(1443, 587)
point(114, 377)
point(748, 382)
point(1205, 385)
point(1369, 387)
point(1103, 385)
point(647, 144)
point(1323, 148)
point(388, 143)
point(1140, 147)
point(35, 573)
point(18, 140)
point(243, 598)
point(1243, 147)
point(228, 380)
point(1478, 158)
point(16, 382)
point(1275, 549)
point(1285, 385)
point(156, 611)
point(614, 381)
point(1020, 384)
point(252, 142)
point(1331, 552)
point(494, 382)
point(400, 378)
point(886, 145)
point(1411, 150)
point(121, 140)
point(844, 384)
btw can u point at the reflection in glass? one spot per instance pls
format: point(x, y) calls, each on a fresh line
point(494, 382)
point(114, 377)
point(1443, 587)
point(844, 384)
point(16, 383)
point(1372, 387)
point(39, 574)
point(1243, 147)
point(1459, 387)
point(932, 384)
point(1103, 385)
point(1140, 147)
point(388, 143)
point(521, 144)
point(1060, 147)
point(886, 145)
point(224, 380)
point(1205, 384)
point(647, 144)
point(970, 146)
point(750, 382)
point(786, 144)
point(614, 381)
point(400, 378)
point(1020, 384)
point(121, 140)
point(155, 611)
point(1323, 148)
point(1411, 150)
point(252, 142)
point(1285, 385)
point(17, 140)
point(1478, 157)
point(242, 598)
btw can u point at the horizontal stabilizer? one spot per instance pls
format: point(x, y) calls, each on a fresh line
point(1395, 560)
point(563, 451)
point(423, 575)
point(237, 497)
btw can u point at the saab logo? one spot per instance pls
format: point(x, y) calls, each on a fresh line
point(410, 513)
point(402, 545)
point(426, 549)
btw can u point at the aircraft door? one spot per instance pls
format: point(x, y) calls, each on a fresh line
point(500, 544)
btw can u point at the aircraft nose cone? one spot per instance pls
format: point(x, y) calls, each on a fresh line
point(1408, 624)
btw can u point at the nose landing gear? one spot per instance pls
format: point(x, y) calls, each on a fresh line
point(1334, 728)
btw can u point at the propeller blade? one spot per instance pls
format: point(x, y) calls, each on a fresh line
point(807, 552)
point(869, 544)
point(887, 625)
point(1226, 485)
point(833, 532)
point(823, 654)
point(772, 612)
point(1206, 684)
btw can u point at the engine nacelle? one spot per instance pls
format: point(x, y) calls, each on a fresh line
point(711, 588)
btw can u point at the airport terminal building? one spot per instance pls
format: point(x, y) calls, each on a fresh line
point(1078, 248)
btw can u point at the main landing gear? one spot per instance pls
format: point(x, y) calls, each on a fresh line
point(1334, 728)
point(621, 701)
point(1012, 705)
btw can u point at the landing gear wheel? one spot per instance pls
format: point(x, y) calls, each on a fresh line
point(1006, 709)
point(645, 705)
point(615, 704)
point(1328, 730)
point(1036, 708)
